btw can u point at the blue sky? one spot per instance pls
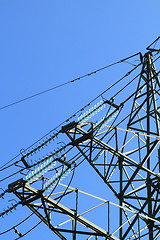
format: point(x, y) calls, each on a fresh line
point(46, 43)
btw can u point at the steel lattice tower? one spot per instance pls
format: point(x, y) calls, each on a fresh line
point(125, 155)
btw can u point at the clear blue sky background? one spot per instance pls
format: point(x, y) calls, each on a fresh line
point(46, 43)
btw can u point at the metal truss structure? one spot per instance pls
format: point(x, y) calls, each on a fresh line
point(124, 154)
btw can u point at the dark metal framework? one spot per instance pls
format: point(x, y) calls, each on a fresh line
point(28, 196)
point(124, 155)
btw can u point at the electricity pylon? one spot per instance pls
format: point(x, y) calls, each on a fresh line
point(125, 155)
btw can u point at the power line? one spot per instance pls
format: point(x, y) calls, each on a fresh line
point(66, 83)
point(127, 74)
